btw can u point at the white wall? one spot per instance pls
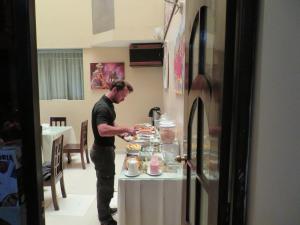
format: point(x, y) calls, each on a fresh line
point(274, 194)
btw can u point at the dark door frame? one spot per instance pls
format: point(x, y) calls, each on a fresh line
point(239, 71)
point(242, 13)
point(25, 29)
point(18, 49)
point(242, 24)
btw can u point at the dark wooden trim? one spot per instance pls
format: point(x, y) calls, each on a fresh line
point(148, 63)
point(145, 45)
point(191, 53)
point(246, 19)
point(28, 97)
point(225, 151)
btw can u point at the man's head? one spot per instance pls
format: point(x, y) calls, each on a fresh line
point(119, 89)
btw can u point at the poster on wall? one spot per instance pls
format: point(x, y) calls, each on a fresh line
point(102, 74)
point(179, 60)
point(166, 67)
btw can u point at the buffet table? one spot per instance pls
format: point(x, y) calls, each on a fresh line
point(148, 200)
point(52, 132)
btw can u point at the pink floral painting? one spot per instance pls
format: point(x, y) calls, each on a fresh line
point(179, 61)
point(103, 74)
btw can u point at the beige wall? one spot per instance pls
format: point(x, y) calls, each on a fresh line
point(147, 83)
point(68, 23)
point(140, 17)
point(63, 23)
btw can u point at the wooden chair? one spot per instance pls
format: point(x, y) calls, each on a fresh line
point(58, 121)
point(56, 170)
point(81, 147)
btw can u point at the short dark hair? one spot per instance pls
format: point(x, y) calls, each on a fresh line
point(120, 85)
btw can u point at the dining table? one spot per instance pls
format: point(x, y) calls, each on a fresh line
point(49, 133)
point(148, 200)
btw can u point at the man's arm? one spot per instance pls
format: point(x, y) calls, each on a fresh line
point(106, 130)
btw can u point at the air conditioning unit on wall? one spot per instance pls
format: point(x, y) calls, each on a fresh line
point(146, 54)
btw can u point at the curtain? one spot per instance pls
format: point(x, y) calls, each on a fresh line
point(60, 74)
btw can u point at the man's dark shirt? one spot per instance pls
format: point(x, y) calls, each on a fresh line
point(103, 113)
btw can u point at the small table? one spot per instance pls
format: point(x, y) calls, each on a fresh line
point(52, 132)
point(148, 200)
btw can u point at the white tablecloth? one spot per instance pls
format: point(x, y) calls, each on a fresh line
point(149, 200)
point(52, 132)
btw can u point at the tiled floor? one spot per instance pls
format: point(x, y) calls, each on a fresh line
point(79, 208)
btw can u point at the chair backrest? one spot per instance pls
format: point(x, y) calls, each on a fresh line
point(57, 158)
point(83, 135)
point(58, 121)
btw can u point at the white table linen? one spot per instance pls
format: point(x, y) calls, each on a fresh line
point(148, 200)
point(52, 132)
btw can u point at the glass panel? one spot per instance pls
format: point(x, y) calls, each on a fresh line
point(209, 157)
point(194, 134)
point(202, 47)
point(195, 50)
point(205, 147)
point(213, 164)
point(192, 199)
point(209, 47)
point(203, 207)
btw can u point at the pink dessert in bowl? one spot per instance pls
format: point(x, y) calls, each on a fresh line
point(154, 166)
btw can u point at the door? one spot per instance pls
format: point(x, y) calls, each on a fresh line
point(204, 102)
point(19, 109)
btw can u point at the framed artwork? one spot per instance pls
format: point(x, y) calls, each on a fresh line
point(102, 74)
point(179, 61)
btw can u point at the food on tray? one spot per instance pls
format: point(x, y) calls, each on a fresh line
point(146, 131)
point(134, 147)
point(130, 138)
point(142, 125)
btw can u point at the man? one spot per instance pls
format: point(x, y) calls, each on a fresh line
point(103, 150)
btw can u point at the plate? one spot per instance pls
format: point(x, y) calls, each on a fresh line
point(130, 175)
point(152, 174)
point(128, 138)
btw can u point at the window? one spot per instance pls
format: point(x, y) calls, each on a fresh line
point(60, 73)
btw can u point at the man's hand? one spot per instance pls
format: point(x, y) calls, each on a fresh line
point(131, 131)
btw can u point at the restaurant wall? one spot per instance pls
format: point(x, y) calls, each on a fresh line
point(147, 83)
point(274, 166)
point(174, 102)
point(63, 23)
point(68, 23)
point(141, 17)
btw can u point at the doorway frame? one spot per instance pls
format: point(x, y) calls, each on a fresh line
point(240, 56)
point(244, 15)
